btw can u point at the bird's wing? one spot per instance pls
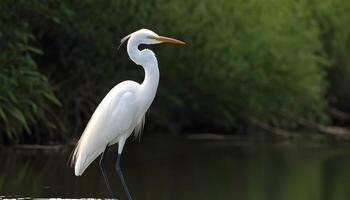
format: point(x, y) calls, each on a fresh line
point(114, 117)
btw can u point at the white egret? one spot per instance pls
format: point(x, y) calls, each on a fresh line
point(122, 110)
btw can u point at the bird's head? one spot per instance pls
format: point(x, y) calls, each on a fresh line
point(145, 36)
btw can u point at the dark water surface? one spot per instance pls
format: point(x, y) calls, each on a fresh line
point(179, 169)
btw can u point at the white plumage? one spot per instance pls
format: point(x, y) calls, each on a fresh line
point(123, 109)
point(113, 121)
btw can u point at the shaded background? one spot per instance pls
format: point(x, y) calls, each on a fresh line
point(261, 70)
point(245, 63)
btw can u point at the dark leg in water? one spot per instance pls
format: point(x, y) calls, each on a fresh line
point(120, 174)
point(111, 195)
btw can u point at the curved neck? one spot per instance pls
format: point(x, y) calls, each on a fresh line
point(148, 61)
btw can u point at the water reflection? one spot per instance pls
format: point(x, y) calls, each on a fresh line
point(176, 169)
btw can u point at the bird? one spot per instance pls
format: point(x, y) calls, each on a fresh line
point(121, 113)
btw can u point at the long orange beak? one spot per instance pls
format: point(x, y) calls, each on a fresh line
point(167, 40)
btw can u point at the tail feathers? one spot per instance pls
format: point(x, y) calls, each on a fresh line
point(73, 154)
point(80, 158)
point(84, 160)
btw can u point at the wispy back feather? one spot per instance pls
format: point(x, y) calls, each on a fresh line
point(139, 128)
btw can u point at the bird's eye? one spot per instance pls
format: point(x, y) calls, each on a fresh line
point(143, 46)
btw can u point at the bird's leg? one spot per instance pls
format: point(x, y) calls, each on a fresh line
point(103, 170)
point(120, 174)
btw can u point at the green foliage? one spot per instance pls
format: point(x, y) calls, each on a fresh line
point(243, 60)
point(247, 60)
point(25, 93)
point(333, 17)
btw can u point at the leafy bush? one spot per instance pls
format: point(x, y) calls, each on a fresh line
point(333, 18)
point(25, 94)
point(243, 60)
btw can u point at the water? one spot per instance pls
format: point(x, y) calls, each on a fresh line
point(179, 169)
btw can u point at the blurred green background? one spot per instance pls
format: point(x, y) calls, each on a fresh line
point(251, 71)
point(248, 65)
